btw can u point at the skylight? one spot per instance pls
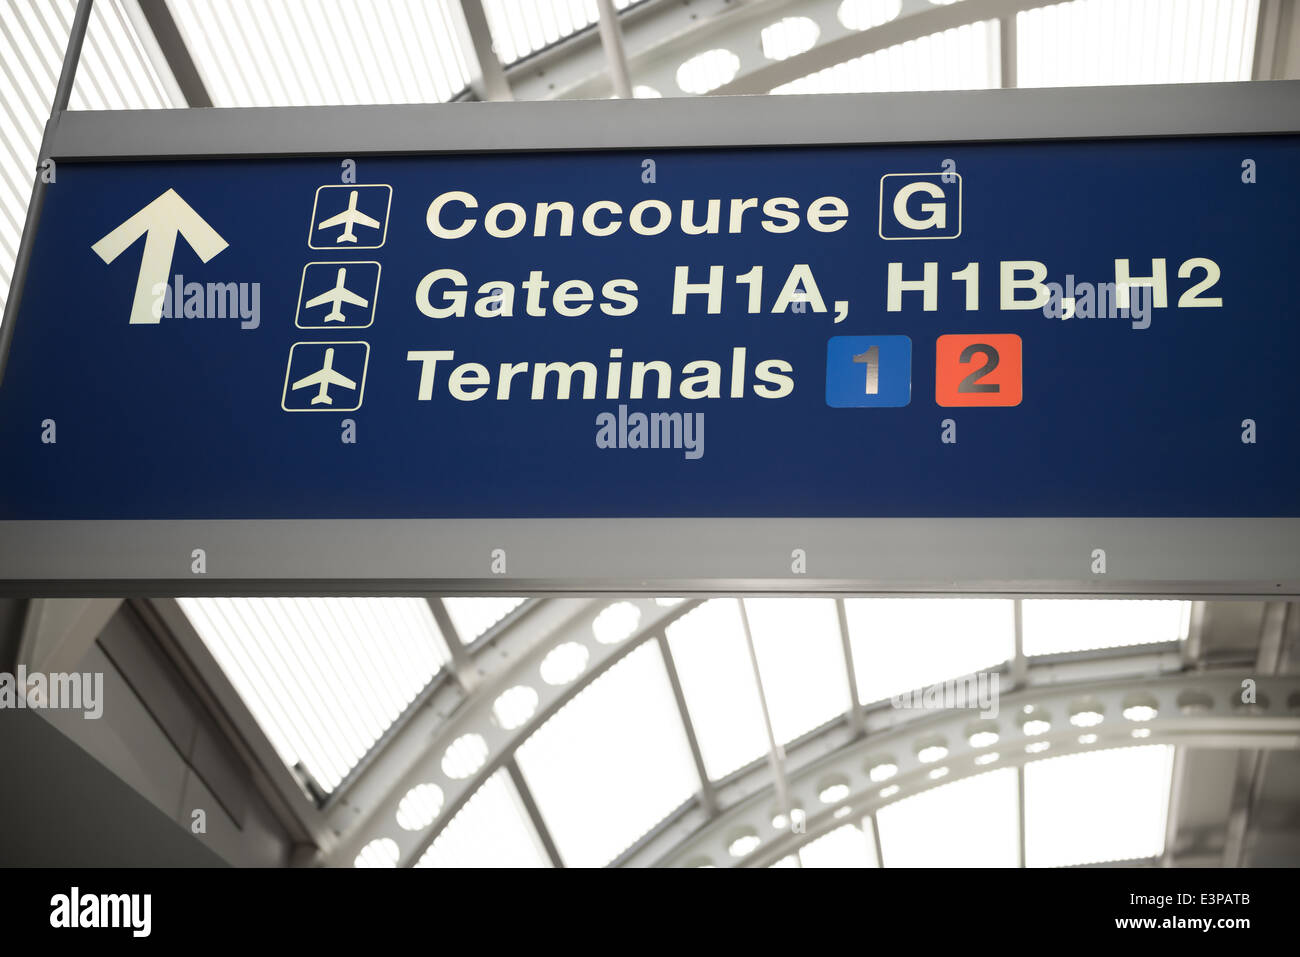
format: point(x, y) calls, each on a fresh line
point(900, 644)
point(969, 823)
point(611, 763)
point(323, 677)
point(115, 72)
point(717, 677)
point(519, 29)
point(849, 845)
point(1060, 625)
point(1108, 42)
point(474, 616)
point(317, 52)
point(490, 830)
point(801, 660)
point(963, 58)
point(1097, 806)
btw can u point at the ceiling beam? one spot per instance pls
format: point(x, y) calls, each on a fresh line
point(855, 717)
point(171, 45)
point(611, 39)
point(1277, 41)
point(708, 797)
point(534, 812)
point(1007, 41)
point(488, 78)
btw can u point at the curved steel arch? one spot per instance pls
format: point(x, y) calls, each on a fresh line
point(1193, 709)
point(514, 660)
point(660, 39)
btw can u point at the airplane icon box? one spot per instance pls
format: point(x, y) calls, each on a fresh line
point(337, 295)
point(350, 216)
point(325, 376)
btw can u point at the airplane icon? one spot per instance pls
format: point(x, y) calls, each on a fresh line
point(339, 294)
point(325, 378)
point(354, 285)
point(367, 205)
point(349, 217)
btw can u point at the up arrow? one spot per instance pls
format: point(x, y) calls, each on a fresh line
point(159, 222)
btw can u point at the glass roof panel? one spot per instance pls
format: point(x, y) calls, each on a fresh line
point(963, 58)
point(969, 823)
point(900, 644)
point(1111, 42)
point(521, 27)
point(1097, 806)
point(611, 763)
point(323, 677)
point(318, 52)
point(717, 678)
point(801, 660)
point(491, 830)
point(850, 845)
point(1052, 626)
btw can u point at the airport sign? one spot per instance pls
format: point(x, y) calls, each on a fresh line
point(498, 361)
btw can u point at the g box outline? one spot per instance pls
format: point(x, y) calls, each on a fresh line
point(880, 229)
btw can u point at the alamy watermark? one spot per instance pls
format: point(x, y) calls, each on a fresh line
point(61, 691)
point(979, 690)
point(1102, 300)
point(75, 909)
point(651, 430)
point(209, 300)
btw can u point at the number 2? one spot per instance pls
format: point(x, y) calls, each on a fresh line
point(971, 383)
point(978, 369)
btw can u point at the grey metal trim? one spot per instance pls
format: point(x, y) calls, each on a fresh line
point(172, 44)
point(1162, 556)
point(1204, 109)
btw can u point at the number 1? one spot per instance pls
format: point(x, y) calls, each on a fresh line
point(872, 359)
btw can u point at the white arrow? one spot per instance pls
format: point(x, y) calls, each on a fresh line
point(160, 221)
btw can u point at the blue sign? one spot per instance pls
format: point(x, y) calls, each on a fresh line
point(1056, 329)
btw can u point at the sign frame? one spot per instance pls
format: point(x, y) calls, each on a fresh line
point(1219, 557)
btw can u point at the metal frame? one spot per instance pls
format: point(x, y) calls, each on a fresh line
point(59, 105)
point(1182, 721)
point(1147, 557)
point(368, 810)
point(179, 61)
point(1006, 556)
point(1196, 709)
point(971, 116)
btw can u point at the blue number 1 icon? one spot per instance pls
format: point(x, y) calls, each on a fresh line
point(868, 372)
